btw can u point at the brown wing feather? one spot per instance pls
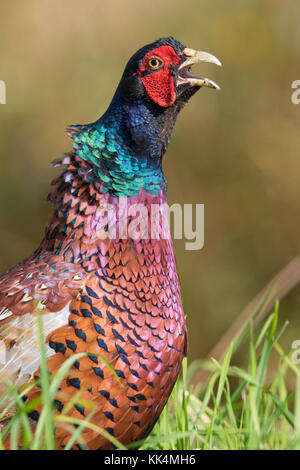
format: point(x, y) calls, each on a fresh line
point(40, 280)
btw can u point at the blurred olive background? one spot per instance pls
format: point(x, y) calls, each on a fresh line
point(236, 151)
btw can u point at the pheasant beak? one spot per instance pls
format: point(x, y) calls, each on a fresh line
point(196, 57)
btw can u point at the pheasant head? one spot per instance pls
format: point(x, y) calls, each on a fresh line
point(159, 74)
point(125, 146)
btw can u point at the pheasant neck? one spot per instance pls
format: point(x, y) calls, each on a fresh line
point(123, 150)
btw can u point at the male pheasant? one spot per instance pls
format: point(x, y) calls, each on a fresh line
point(116, 298)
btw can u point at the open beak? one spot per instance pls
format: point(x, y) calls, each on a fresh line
point(196, 57)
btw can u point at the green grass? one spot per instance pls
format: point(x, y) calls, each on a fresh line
point(254, 407)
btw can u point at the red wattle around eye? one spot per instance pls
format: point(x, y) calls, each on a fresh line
point(160, 87)
point(159, 84)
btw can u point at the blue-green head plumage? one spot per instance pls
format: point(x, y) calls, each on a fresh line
point(123, 149)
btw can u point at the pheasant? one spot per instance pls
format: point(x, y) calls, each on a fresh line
point(115, 298)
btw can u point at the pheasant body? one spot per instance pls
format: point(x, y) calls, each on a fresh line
point(116, 298)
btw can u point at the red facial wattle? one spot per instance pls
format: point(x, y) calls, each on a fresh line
point(159, 84)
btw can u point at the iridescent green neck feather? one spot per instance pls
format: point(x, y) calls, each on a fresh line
point(124, 148)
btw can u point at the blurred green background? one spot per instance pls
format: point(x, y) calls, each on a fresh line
point(236, 151)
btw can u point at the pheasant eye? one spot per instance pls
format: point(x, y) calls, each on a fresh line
point(154, 63)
